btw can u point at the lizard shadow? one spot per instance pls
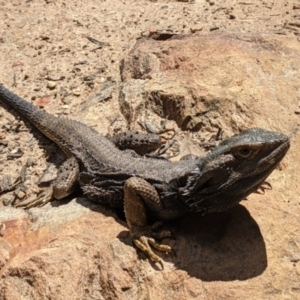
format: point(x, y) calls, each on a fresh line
point(221, 246)
point(218, 246)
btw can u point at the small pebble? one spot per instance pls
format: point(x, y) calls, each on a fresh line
point(41, 102)
point(196, 28)
point(51, 85)
point(2, 135)
point(30, 162)
point(7, 199)
point(76, 92)
point(21, 194)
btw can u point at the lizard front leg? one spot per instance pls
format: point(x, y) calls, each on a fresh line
point(138, 196)
point(62, 187)
point(139, 142)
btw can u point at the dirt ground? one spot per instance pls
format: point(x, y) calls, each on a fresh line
point(61, 54)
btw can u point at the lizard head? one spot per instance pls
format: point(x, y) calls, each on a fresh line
point(233, 170)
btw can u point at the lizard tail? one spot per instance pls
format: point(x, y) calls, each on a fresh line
point(26, 109)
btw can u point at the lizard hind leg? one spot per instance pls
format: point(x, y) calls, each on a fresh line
point(67, 179)
point(63, 186)
point(138, 195)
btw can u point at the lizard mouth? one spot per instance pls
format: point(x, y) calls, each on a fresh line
point(276, 155)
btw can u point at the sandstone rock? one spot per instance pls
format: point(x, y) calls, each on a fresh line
point(206, 82)
point(82, 251)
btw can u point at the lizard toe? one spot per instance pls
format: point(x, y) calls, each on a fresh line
point(145, 240)
point(144, 243)
point(41, 200)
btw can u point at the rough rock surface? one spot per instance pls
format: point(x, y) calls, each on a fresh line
point(72, 250)
point(77, 250)
point(207, 82)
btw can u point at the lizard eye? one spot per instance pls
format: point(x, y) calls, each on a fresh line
point(244, 152)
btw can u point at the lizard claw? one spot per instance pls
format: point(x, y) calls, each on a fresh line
point(144, 239)
point(264, 186)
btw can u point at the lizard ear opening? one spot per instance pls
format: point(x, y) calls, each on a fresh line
point(196, 183)
point(208, 183)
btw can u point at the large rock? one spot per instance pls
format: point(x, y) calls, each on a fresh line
point(82, 251)
point(208, 82)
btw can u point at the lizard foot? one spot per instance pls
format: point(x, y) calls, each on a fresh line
point(144, 238)
point(41, 200)
point(264, 186)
